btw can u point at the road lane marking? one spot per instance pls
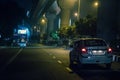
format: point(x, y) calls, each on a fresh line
point(54, 57)
point(11, 60)
point(50, 54)
point(60, 62)
point(68, 69)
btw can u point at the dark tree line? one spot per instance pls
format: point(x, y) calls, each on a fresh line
point(87, 26)
point(84, 27)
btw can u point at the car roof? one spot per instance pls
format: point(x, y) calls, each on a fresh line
point(89, 39)
point(85, 39)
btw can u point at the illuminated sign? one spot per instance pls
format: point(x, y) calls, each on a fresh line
point(22, 32)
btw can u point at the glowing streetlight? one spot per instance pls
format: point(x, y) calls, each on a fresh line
point(76, 14)
point(96, 4)
point(43, 20)
point(78, 9)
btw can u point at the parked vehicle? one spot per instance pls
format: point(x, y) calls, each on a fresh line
point(91, 51)
point(115, 45)
point(22, 43)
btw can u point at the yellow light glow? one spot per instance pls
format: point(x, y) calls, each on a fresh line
point(43, 20)
point(76, 14)
point(96, 4)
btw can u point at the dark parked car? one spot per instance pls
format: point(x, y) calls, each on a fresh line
point(115, 45)
point(22, 43)
point(91, 51)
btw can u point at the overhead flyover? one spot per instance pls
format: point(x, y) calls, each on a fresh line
point(40, 8)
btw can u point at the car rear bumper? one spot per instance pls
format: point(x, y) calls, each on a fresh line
point(22, 44)
point(96, 59)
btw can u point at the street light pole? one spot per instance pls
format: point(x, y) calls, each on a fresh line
point(96, 4)
point(78, 10)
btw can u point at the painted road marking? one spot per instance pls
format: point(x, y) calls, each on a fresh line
point(11, 60)
point(54, 57)
point(60, 62)
point(50, 54)
point(68, 69)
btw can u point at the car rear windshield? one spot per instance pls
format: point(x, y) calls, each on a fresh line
point(95, 43)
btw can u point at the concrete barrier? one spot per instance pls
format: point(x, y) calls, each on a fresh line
point(116, 58)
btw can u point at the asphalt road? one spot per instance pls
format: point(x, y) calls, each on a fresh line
point(49, 64)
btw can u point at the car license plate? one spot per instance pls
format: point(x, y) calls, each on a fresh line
point(98, 52)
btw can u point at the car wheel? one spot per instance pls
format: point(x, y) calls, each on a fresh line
point(79, 63)
point(108, 66)
point(71, 61)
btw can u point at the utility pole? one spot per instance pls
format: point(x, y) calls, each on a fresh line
point(78, 10)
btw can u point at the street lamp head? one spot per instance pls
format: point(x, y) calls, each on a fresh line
point(96, 4)
point(75, 14)
point(43, 20)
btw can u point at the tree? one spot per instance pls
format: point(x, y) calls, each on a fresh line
point(71, 32)
point(67, 32)
point(86, 26)
point(62, 32)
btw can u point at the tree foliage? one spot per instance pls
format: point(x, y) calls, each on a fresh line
point(67, 32)
point(86, 26)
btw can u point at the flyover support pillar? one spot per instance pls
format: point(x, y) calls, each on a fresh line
point(50, 23)
point(66, 6)
point(51, 14)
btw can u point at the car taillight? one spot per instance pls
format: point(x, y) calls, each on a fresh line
point(109, 50)
point(84, 50)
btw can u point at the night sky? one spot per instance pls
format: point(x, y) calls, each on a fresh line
point(27, 4)
point(12, 12)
